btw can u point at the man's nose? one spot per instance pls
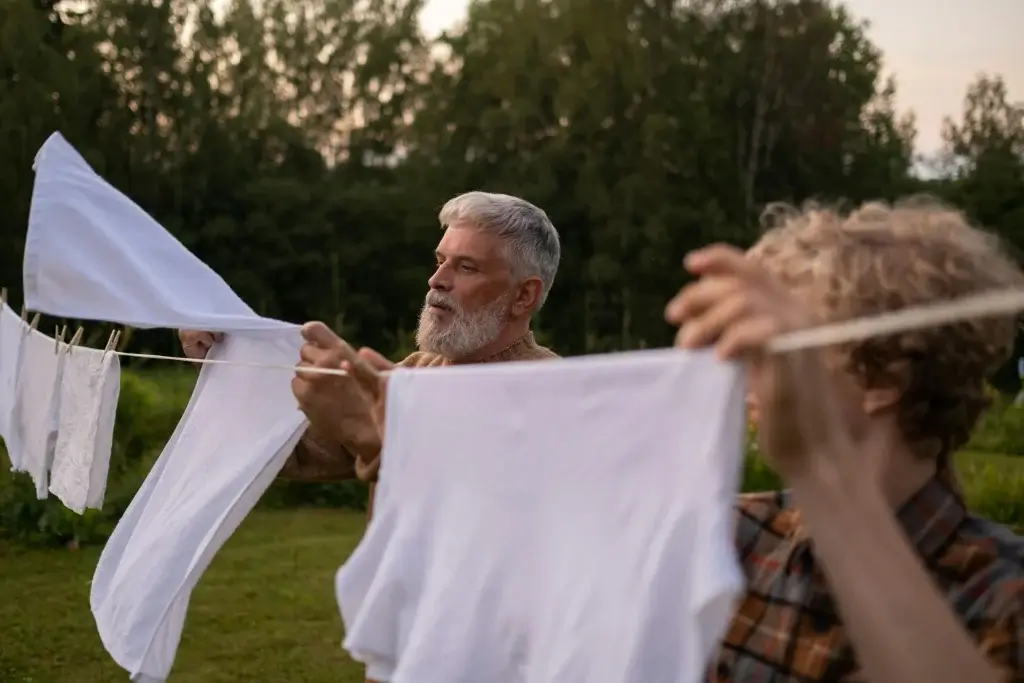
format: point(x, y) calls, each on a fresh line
point(440, 280)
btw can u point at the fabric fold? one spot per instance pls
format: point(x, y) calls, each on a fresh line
point(91, 253)
point(37, 405)
point(11, 334)
point(89, 389)
point(566, 528)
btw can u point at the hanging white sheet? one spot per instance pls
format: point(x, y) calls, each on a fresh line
point(91, 253)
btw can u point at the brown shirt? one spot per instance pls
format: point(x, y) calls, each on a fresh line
point(318, 459)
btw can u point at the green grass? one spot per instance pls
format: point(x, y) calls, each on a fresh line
point(264, 611)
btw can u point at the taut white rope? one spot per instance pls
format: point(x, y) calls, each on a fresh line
point(989, 304)
point(212, 361)
point(986, 305)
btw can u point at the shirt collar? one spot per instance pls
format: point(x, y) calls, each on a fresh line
point(929, 518)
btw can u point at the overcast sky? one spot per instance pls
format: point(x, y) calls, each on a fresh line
point(934, 47)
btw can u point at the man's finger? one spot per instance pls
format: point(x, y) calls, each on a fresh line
point(315, 355)
point(319, 334)
point(746, 338)
point(699, 296)
point(366, 375)
point(722, 259)
point(306, 376)
point(715, 321)
point(376, 360)
point(299, 388)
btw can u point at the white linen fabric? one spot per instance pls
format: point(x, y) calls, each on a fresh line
point(11, 333)
point(93, 254)
point(37, 405)
point(573, 524)
point(233, 439)
point(89, 389)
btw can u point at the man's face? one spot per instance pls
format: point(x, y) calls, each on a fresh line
point(470, 293)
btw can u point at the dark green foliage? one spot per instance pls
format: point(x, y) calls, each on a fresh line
point(150, 406)
point(302, 148)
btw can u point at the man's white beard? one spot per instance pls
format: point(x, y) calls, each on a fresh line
point(465, 333)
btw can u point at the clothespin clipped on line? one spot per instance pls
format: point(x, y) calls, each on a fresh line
point(76, 339)
point(24, 313)
point(115, 337)
point(35, 322)
point(58, 337)
point(3, 297)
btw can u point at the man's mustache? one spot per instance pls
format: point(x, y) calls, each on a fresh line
point(435, 298)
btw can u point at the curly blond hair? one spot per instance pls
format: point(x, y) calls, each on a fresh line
point(883, 257)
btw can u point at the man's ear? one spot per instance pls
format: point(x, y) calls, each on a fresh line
point(527, 296)
point(881, 399)
point(887, 390)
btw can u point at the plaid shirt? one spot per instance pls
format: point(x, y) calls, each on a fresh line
point(787, 630)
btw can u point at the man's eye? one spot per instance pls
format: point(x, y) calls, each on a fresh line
point(468, 269)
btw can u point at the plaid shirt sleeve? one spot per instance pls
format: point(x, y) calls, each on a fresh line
point(757, 516)
point(1002, 640)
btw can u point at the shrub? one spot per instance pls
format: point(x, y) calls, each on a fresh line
point(1001, 429)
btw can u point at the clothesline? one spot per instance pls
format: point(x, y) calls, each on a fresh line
point(985, 305)
point(988, 304)
point(214, 361)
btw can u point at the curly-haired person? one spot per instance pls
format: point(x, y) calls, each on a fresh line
point(868, 567)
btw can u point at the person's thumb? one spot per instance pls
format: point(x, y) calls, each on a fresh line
point(374, 359)
point(318, 334)
point(366, 375)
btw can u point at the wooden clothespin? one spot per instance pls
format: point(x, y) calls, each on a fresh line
point(58, 337)
point(76, 339)
point(115, 336)
point(3, 297)
point(35, 322)
point(24, 313)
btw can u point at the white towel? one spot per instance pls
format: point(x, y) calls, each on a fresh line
point(36, 406)
point(11, 332)
point(90, 386)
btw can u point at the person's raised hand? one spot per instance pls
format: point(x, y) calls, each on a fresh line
point(807, 411)
point(346, 408)
point(197, 343)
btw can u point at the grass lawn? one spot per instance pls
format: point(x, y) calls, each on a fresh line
point(264, 612)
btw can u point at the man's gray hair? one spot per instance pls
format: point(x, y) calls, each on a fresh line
point(533, 245)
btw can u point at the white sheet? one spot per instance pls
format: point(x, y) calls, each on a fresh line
point(233, 439)
point(91, 253)
point(36, 406)
point(562, 522)
point(11, 333)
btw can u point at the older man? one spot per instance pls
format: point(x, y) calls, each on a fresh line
point(870, 567)
point(496, 262)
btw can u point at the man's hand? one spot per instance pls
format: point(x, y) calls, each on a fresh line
point(809, 416)
point(346, 408)
point(375, 360)
point(196, 343)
